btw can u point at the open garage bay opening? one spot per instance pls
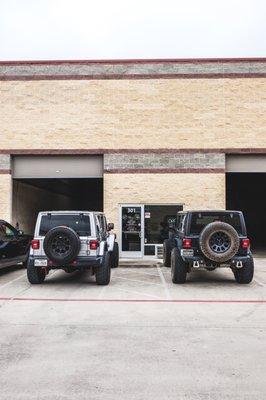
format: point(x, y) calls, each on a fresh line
point(245, 191)
point(33, 195)
point(51, 183)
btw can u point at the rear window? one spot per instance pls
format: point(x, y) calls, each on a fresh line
point(200, 220)
point(79, 223)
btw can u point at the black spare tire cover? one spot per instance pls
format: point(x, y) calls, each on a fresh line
point(61, 245)
point(219, 241)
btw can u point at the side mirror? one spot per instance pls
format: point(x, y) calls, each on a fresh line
point(20, 233)
point(110, 226)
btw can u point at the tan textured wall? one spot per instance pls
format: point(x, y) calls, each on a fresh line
point(167, 113)
point(196, 191)
point(5, 196)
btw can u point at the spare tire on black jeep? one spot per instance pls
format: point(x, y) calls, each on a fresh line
point(61, 245)
point(219, 241)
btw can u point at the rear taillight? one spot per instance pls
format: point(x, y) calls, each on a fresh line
point(187, 243)
point(35, 244)
point(245, 243)
point(94, 244)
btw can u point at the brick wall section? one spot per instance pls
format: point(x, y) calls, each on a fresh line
point(5, 197)
point(5, 162)
point(120, 114)
point(163, 161)
point(206, 191)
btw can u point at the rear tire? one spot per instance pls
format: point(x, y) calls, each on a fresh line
point(103, 272)
point(178, 267)
point(115, 256)
point(245, 274)
point(167, 248)
point(25, 263)
point(36, 275)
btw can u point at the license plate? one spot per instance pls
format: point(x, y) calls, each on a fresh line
point(187, 252)
point(40, 263)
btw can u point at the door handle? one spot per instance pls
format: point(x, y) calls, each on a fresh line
point(140, 235)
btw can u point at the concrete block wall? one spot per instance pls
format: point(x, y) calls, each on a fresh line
point(172, 161)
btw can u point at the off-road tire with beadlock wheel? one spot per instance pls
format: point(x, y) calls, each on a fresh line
point(61, 245)
point(219, 241)
point(178, 267)
point(245, 274)
point(167, 248)
point(115, 256)
point(103, 272)
point(36, 275)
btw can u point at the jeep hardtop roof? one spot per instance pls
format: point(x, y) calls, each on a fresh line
point(201, 211)
point(70, 212)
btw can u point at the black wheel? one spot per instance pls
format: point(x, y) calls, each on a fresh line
point(178, 267)
point(115, 256)
point(35, 275)
point(61, 245)
point(167, 248)
point(245, 274)
point(103, 272)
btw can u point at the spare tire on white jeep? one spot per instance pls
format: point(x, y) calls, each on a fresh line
point(219, 241)
point(61, 245)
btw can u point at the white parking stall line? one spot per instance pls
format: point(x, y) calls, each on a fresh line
point(126, 272)
point(138, 293)
point(164, 283)
point(13, 280)
point(259, 283)
point(138, 281)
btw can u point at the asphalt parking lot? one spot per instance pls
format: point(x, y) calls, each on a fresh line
point(141, 337)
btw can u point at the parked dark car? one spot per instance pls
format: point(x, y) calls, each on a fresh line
point(14, 245)
point(209, 239)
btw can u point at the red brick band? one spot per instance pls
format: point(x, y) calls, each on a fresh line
point(5, 171)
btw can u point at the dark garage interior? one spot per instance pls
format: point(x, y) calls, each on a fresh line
point(33, 195)
point(246, 192)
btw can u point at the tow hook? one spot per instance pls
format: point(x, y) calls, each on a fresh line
point(46, 270)
point(239, 264)
point(196, 264)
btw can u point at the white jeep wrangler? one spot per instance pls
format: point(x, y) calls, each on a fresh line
point(72, 240)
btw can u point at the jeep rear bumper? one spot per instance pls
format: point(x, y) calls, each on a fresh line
point(80, 263)
point(200, 261)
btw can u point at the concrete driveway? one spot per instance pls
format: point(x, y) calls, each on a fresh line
point(139, 338)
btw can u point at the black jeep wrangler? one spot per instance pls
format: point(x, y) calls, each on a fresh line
point(209, 240)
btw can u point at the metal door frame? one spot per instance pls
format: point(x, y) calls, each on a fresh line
point(132, 254)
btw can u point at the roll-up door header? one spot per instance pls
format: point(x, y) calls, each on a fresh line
point(57, 167)
point(246, 163)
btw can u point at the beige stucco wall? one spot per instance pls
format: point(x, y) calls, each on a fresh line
point(151, 113)
point(196, 191)
point(5, 196)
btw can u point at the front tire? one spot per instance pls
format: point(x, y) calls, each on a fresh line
point(178, 267)
point(115, 256)
point(103, 272)
point(36, 275)
point(245, 274)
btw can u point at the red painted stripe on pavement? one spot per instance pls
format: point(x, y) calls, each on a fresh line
point(134, 300)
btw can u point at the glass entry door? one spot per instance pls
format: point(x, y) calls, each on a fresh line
point(132, 230)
